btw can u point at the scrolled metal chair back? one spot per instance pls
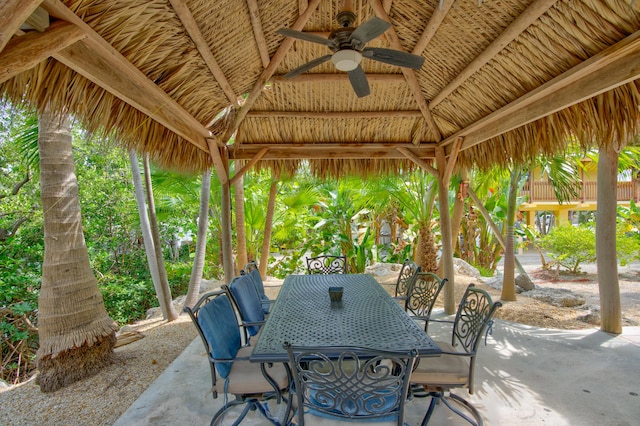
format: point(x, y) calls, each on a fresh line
point(422, 295)
point(327, 264)
point(473, 317)
point(406, 275)
point(350, 383)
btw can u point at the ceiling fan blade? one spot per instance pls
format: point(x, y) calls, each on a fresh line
point(371, 29)
point(305, 36)
point(306, 67)
point(359, 82)
point(393, 57)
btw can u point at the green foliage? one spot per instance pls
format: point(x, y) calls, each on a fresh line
point(571, 245)
point(627, 243)
point(127, 300)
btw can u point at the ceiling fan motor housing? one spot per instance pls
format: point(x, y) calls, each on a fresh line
point(346, 60)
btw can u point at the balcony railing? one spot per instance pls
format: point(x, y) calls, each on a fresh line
point(543, 191)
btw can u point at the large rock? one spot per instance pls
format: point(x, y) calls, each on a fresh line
point(557, 296)
point(382, 269)
point(463, 268)
point(524, 282)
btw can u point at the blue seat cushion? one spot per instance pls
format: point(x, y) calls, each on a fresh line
point(259, 285)
point(220, 328)
point(248, 300)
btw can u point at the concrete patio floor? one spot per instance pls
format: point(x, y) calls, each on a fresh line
point(524, 376)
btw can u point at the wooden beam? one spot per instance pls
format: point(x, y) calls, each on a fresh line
point(434, 23)
point(190, 24)
point(453, 157)
point(409, 74)
point(419, 161)
point(319, 151)
point(258, 33)
point(38, 20)
point(271, 68)
point(246, 167)
point(219, 164)
point(334, 77)
point(613, 67)
point(521, 23)
point(332, 115)
point(101, 63)
point(12, 14)
point(25, 52)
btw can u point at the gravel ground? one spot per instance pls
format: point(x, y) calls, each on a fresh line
point(101, 399)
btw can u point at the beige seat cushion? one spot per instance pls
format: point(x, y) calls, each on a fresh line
point(443, 370)
point(313, 420)
point(246, 377)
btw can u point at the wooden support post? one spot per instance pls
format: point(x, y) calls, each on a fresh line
point(445, 229)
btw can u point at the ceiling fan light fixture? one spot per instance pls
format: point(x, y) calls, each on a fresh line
point(346, 60)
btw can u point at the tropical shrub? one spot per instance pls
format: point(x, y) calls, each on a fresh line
point(570, 246)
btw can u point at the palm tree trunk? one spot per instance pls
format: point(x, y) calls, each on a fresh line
point(606, 258)
point(509, 279)
point(76, 334)
point(146, 233)
point(268, 228)
point(241, 232)
point(458, 210)
point(201, 242)
point(167, 303)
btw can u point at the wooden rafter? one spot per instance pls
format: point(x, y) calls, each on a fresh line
point(418, 161)
point(190, 24)
point(613, 67)
point(98, 61)
point(521, 23)
point(409, 74)
point(247, 166)
point(334, 77)
point(25, 52)
point(12, 14)
point(271, 68)
point(453, 157)
point(256, 23)
point(218, 162)
point(335, 114)
point(310, 151)
point(430, 30)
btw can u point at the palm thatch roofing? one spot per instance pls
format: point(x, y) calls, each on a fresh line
point(196, 83)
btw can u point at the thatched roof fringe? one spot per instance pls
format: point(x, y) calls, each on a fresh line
point(612, 117)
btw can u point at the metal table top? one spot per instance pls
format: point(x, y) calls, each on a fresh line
point(367, 317)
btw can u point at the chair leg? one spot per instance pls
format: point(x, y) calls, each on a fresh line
point(440, 396)
point(252, 404)
point(220, 413)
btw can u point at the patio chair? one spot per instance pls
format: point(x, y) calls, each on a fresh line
point(407, 272)
point(349, 384)
point(251, 269)
point(326, 264)
point(232, 373)
point(246, 300)
point(455, 368)
point(422, 295)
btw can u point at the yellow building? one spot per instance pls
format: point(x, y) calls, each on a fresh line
point(541, 197)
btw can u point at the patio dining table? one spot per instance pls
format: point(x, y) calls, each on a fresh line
point(367, 317)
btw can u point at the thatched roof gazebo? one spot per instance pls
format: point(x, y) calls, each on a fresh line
point(198, 83)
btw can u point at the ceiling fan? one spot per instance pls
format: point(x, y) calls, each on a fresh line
point(348, 46)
